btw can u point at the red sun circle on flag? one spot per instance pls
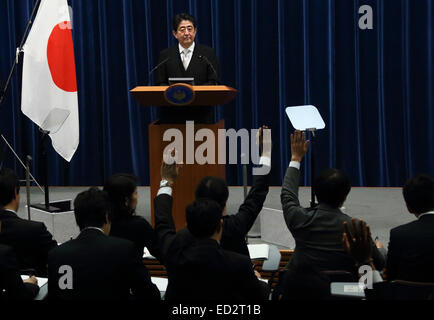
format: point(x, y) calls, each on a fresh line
point(60, 56)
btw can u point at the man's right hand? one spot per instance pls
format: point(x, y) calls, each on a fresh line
point(257, 274)
point(299, 145)
point(170, 172)
point(31, 280)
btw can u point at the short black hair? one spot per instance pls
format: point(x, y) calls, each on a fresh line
point(181, 17)
point(418, 193)
point(214, 188)
point(332, 187)
point(120, 187)
point(9, 183)
point(91, 207)
point(203, 217)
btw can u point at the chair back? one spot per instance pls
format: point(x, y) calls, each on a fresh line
point(339, 276)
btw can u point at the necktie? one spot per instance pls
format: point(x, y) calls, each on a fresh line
point(185, 58)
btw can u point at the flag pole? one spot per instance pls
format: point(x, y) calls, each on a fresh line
point(6, 86)
point(19, 50)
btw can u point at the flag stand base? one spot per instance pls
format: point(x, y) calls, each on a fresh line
point(54, 207)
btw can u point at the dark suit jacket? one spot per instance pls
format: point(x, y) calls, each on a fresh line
point(236, 226)
point(317, 232)
point(199, 269)
point(10, 279)
point(30, 240)
point(198, 68)
point(104, 268)
point(139, 231)
point(411, 251)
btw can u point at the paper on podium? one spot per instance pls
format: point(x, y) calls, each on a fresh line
point(258, 251)
point(305, 117)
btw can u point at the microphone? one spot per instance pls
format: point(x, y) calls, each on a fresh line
point(212, 67)
point(155, 68)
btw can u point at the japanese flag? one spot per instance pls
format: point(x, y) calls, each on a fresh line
point(49, 89)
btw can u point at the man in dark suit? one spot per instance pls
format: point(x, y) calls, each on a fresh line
point(122, 191)
point(10, 280)
point(198, 268)
point(236, 226)
point(30, 240)
point(95, 266)
point(187, 60)
point(411, 246)
point(318, 231)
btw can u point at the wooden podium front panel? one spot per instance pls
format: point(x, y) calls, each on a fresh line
point(205, 95)
point(190, 174)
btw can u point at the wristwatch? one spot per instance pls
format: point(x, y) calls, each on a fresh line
point(165, 183)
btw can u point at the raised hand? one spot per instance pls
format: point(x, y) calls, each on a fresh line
point(299, 145)
point(170, 172)
point(264, 141)
point(357, 241)
point(31, 280)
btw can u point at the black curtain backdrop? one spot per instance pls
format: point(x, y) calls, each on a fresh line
point(374, 88)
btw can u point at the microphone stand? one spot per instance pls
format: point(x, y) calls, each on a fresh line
point(155, 68)
point(44, 160)
point(212, 68)
point(4, 90)
point(28, 159)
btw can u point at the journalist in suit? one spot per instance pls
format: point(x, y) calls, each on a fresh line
point(122, 191)
point(12, 287)
point(30, 240)
point(318, 231)
point(187, 58)
point(198, 268)
point(411, 246)
point(100, 267)
point(236, 226)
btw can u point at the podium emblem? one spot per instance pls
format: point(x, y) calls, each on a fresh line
point(179, 94)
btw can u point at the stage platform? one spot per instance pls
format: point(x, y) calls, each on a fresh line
point(381, 208)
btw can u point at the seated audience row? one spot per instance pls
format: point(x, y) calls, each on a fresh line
point(209, 259)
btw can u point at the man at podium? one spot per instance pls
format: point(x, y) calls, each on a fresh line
point(187, 59)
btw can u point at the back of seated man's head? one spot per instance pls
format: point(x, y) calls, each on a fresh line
point(9, 186)
point(419, 194)
point(213, 188)
point(332, 187)
point(92, 209)
point(204, 218)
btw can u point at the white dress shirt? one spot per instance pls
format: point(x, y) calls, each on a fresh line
point(94, 228)
point(294, 164)
point(186, 54)
point(423, 214)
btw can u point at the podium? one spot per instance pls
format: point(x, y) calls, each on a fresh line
point(190, 174)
